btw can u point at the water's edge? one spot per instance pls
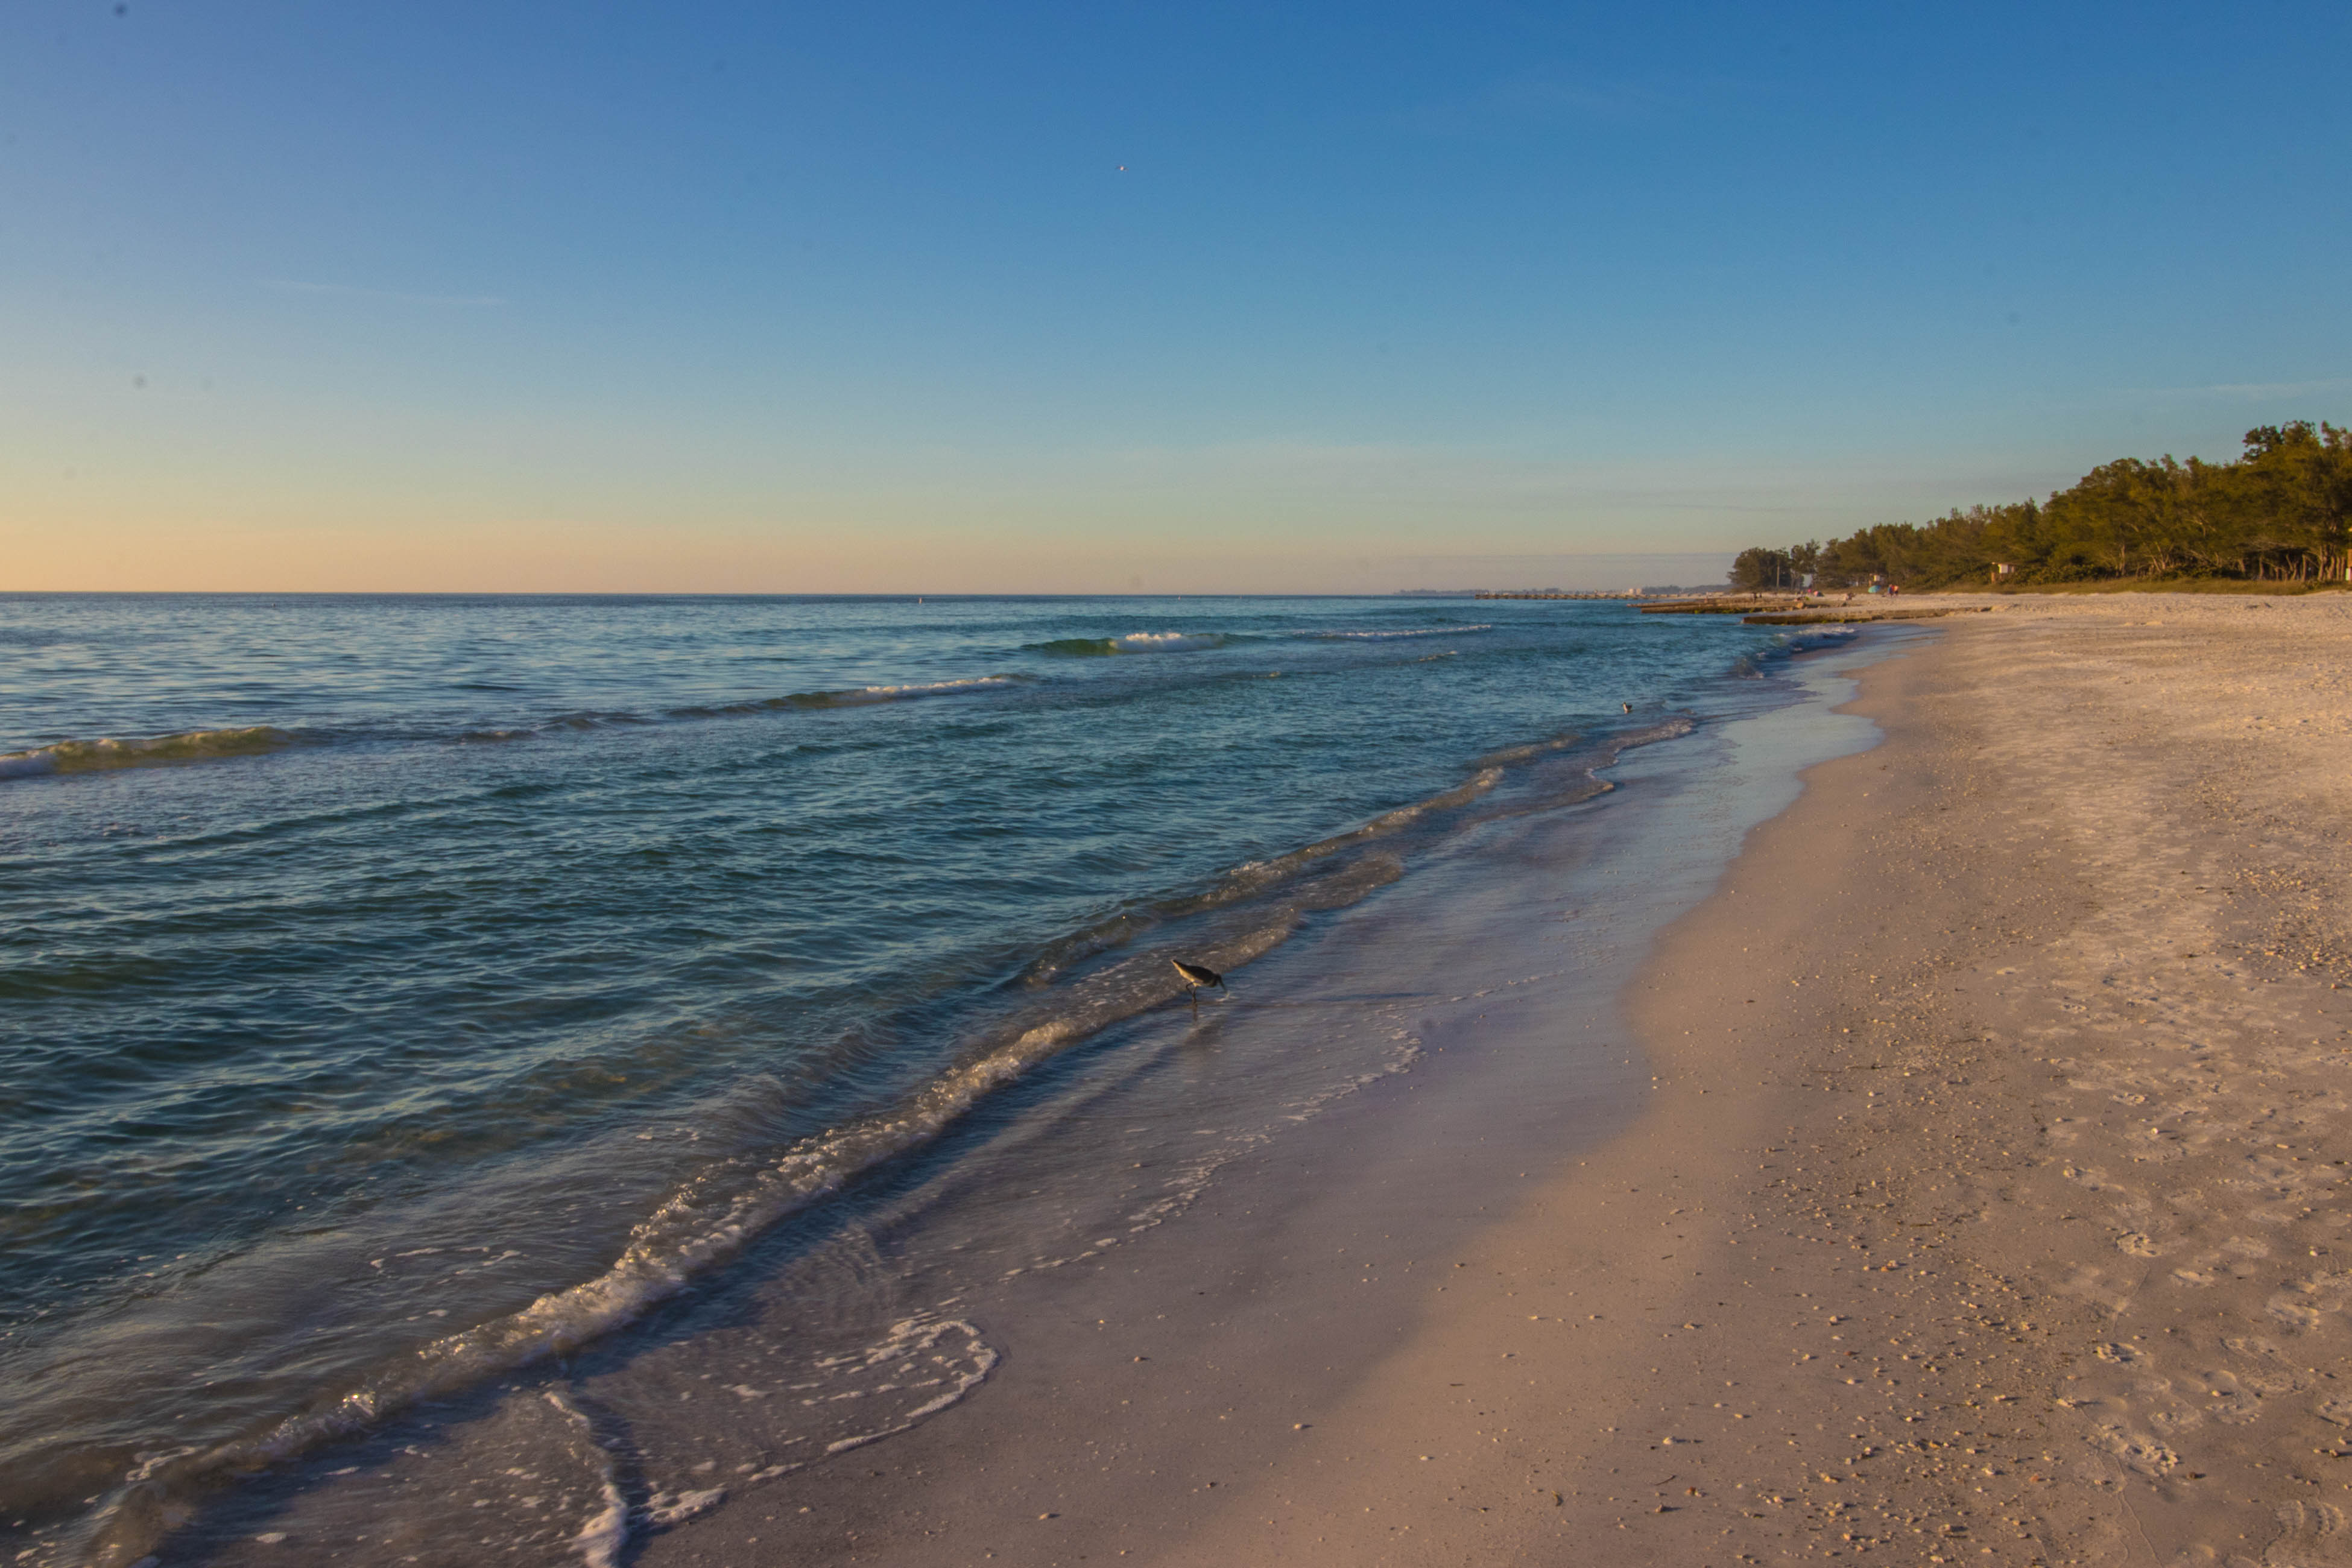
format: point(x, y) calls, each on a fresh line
point(1706, 804)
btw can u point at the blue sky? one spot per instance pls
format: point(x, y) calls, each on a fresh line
point(1077, 297)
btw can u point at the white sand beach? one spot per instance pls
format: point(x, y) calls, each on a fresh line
point(1990, 1207)
point(1986, 1206)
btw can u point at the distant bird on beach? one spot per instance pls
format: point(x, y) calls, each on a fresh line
point(1194, 977)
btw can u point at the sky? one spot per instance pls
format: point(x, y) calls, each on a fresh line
point(1012, 297)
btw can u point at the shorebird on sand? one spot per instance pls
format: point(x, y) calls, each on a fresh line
point(1194, 977)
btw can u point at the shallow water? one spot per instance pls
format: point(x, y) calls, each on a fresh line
point(401, 991)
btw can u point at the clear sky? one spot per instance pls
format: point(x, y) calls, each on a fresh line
point(1103, 296)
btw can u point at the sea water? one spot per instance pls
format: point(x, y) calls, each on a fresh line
point(400, 996)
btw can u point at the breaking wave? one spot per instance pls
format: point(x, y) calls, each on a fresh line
point(849, 697)
point(1818, 637)
point(855, 695)
point(1194, 642)
point(258, 740)
point(160, 751)
point(1752, 663)
point(707, 1221)
point(1135, 642)
point(1236, 917)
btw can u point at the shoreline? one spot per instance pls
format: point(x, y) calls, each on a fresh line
point(1983, 1212)
point(543, 1121)
point(1198, 1225)
point(1930, 1175)
point(1141, 1393)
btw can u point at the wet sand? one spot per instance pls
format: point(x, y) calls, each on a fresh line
point(1988, 1209)
point(1983, 1208)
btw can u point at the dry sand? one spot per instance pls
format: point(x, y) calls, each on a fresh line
point(1985, 1207)
point(1988, 1209)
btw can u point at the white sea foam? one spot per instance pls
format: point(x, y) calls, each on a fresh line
point(666, 1508)
point(603, 1534)
point(910, 1344)
point(703, 1224)
point(709, 1219)
point(917, 689)
point(1167, 642)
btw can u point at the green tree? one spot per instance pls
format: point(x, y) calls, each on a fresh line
point(2282, 509)
point(1759, 567)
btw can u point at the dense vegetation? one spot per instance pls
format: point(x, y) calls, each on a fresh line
point(2282, 512)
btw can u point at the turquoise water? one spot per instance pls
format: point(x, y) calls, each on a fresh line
point(395, 990)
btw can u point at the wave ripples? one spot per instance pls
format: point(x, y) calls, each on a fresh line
point(156, 752)
point(542, 1035)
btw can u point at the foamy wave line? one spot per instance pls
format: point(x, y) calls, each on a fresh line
point(584, 720)
point(857, 696)
point(1257, 878)
point(1168, 642)
point(160, 751)
point(707, 1221)
point(712, 1217)
point(1416, 632)
point(1252, 874)
point(1135, 642)
point(908, 1339)
point(852, 697)
point(904, 693)
point(603, 1534)
point(1815, 639)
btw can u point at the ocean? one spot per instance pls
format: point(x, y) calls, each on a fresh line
point(433, 1025)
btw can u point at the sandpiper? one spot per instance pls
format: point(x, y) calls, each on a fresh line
point(1195, 976)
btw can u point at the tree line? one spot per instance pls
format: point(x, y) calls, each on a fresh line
point(2282, 511)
